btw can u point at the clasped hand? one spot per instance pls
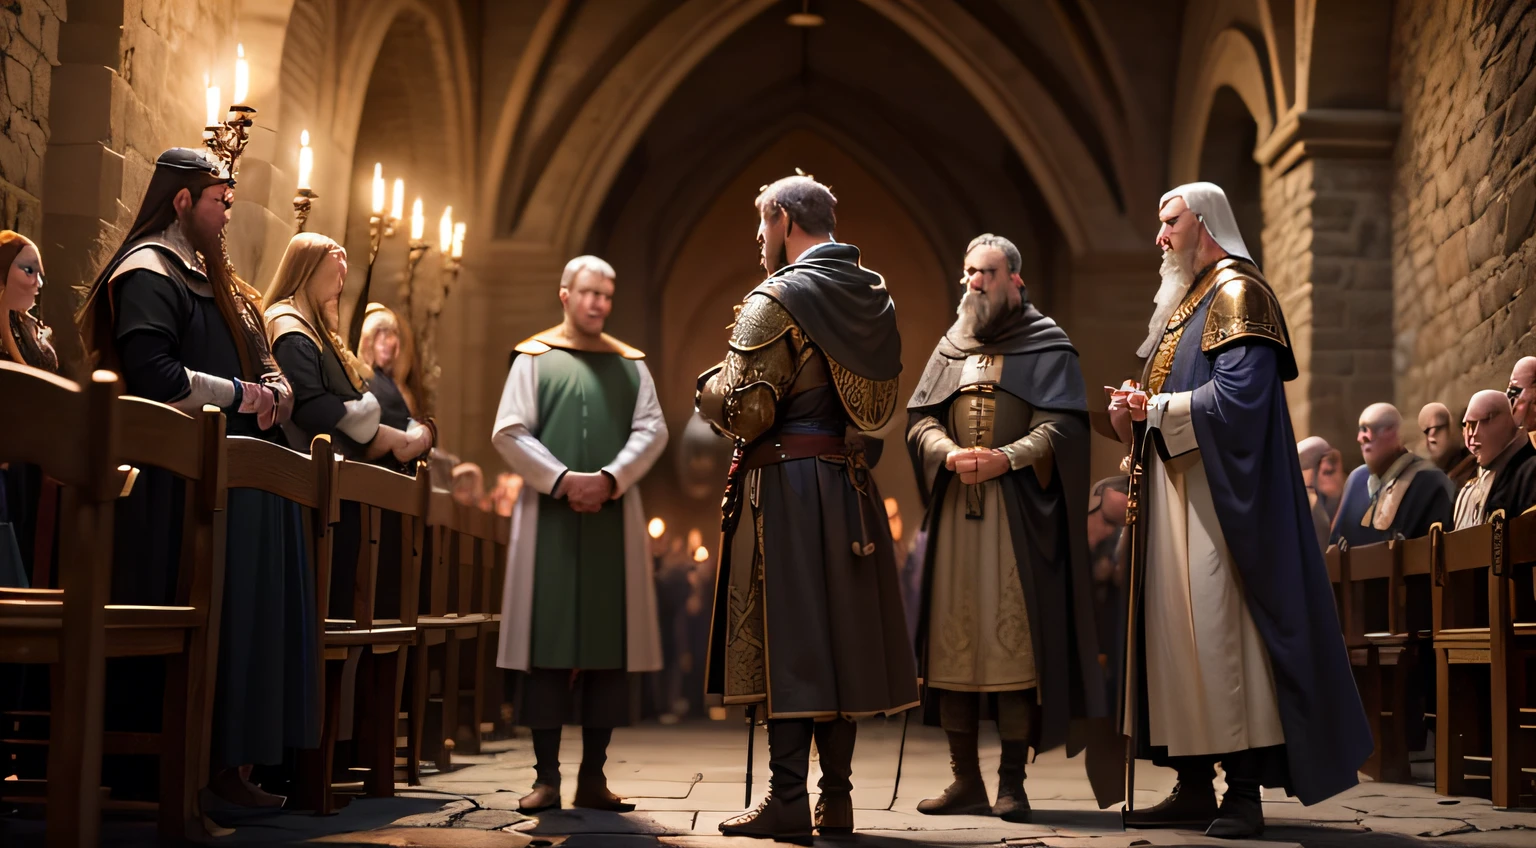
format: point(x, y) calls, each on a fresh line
point(586, 492)
point(977, 465)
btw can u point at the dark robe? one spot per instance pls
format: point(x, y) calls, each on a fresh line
point(1243, 427)
point(1426, 502)
point(1047, 525)
point(268, 688)
point(833, 621)
point(1514, 488)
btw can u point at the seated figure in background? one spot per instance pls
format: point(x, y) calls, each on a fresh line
point(1311, 452)
point(1396, 494)
point(1506, 462)
point(1445, 446)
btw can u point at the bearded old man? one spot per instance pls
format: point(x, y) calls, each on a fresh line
point(1445, 445)
point(1243, 660)
point(1506, 462)
point(808, 619)
point(998, 432)
point(1396, 494)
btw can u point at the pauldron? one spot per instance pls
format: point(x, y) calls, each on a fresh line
point(1243, 308)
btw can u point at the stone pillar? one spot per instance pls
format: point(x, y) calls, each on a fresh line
point(29, 44)
point(1327, 186)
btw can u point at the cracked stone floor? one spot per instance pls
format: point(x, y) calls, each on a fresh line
point(686, 779)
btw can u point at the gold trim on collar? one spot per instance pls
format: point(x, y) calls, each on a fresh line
point(555, 338)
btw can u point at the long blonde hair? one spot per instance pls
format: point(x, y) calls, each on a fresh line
point(305, 254)
point(380, 318)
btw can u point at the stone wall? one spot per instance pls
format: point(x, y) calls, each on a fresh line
point(29, 48)
point(1462, 198)
point(130, 83)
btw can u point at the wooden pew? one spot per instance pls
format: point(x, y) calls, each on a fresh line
point(1376, 636)
point(72, 433)
point(482, 597)
point(1512, 648)
point(377, 640)
point(1463, 744)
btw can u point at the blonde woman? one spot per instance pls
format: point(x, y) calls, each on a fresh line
point(330, 384)
point(388, 352)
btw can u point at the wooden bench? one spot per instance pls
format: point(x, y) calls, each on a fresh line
point(1463, 716)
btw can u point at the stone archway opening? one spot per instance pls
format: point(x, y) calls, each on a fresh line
point(1226, 159)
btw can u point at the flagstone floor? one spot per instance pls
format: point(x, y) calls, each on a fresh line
point(686, 779)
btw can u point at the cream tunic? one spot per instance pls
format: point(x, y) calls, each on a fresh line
point(1210, 689)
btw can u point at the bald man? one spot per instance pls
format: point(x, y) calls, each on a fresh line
point(1396, 494)
point(1445, 446)
point(1311, 452)
point(1506, 462)
point(1522, 394)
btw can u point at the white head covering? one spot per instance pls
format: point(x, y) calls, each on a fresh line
point(1208, 201)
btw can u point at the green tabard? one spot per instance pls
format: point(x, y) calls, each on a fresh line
point(586, 408)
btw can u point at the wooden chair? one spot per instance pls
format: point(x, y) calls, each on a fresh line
point(375, 641)
point(72, 433)
point(306, 481)
point(1463, 742)
point(480, 594)
point(1512, 650)
point(1375, 631)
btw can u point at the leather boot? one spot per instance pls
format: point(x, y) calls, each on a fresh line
point(834, 810)
point(1012, 804)
point(1242, 811)
point(546, 769)
point(967, 796)
point(785, 813)
point(591, 784)
point(1191, 805)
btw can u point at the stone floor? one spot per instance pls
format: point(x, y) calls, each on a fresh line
point(686, 779)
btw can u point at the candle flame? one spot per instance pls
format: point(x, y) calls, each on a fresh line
point(418, 223)
point(378, 188)
point(306, 160)
point(242, 75)
point(656, 528)
point(445, 231)
point(458, 240)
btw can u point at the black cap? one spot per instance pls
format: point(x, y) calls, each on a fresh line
point(187, 159)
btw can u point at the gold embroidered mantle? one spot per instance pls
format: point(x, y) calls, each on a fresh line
point(1244, 307)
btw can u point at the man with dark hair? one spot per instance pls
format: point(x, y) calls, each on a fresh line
point(169, 314)
point(998, 434)
point(808, 618)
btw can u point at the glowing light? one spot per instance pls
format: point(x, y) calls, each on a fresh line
point(242, 75)
point(418, 223)
point(656, 528)
point(700, 554)
point(445, 231)
point(306, 160)
point(378, 188)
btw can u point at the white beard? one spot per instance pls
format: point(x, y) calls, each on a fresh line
point(1177, 276)
point(975, 311)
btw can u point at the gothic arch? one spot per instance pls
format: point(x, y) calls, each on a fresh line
point(1230, 60)
point(573, 185)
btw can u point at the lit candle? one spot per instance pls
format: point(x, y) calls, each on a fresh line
point(378, 188)
point(656, 528)
point(213, 102)
point(242, 75)
point(397, 206)
point(445, 231)
point(306, 160)
point(418, 223)
point(458, 240)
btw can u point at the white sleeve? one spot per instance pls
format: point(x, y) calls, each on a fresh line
point(204, 389)
point(361, 421)
point(647, 437)
point(1171, 415)
point(517, 419)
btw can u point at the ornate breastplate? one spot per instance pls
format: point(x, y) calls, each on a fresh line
point(1161, 363)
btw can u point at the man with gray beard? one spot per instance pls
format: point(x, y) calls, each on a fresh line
point(1239, 652)
point(998, 432)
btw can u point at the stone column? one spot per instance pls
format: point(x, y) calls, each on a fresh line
point(1327, 186)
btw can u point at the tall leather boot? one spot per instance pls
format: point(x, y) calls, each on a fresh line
point(546, 770)
point(1012, 804)
point(785, 813)
point(1242, 808)
point(591, 784)
point(1191, 805)
point(834, 810)
point(967, 796)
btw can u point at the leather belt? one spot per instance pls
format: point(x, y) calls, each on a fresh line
point(788, 446)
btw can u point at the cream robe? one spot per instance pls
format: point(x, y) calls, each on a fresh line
point(1210, 689)
point(515, 437)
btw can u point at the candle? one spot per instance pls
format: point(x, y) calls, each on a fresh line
point(397, 205)
point(242, 75)
point(656, 528)
point(458, 240)
point(445, 231)
point(306, 160)
point(418, 223)
point(213, 102)
point(378, 188)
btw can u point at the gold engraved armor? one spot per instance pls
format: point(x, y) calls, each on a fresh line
point(1243, 309)
point(768, 352)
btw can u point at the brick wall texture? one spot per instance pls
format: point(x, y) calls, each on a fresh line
point(1462, 198)
point(29, 48)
